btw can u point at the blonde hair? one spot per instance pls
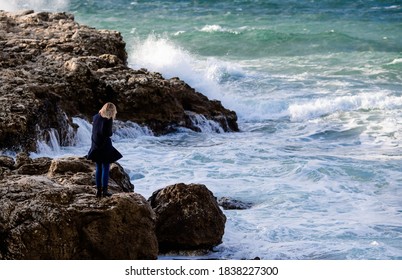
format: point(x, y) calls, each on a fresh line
point(108, 111)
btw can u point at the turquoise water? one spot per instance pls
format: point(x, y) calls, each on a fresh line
point(317, 86)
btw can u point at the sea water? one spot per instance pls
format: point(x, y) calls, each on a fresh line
point(317, 86)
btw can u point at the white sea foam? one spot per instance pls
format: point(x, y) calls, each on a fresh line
point(7, 6)
point(325, 106)
point(217, 79)
point(212, 28)
point(217, 28)
point(225, 81)
point(396, 61)
point(37, 5)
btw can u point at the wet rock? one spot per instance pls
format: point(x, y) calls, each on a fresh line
point(40, 219)
point(22, 159)
point(54, 214)
point(48, 210)
point(187, 218)
point(228, 203)
point(80, 171)
point(35, 167)
point(7, 162)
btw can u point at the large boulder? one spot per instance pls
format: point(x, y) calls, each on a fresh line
point(188, 217)
point(51, 216)
point(52, 69)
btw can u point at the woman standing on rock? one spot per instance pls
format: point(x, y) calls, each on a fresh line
point(102, 151)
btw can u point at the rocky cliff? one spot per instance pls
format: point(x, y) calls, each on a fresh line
point(52, 69)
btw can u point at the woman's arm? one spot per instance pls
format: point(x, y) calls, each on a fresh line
point(107, 128)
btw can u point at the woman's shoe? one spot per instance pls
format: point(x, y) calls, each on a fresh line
point(98, 193)
point(105, 193)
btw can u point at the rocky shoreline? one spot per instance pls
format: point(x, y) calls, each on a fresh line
point(48, 210)
point(51, 70)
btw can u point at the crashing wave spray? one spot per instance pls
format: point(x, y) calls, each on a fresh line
point(37, 5)
point(160, 54)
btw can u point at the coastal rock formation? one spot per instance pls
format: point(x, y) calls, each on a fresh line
point(187, 218)
point(53, 69)
point(54, 213)
point(67, 170)
point(80, 171)
point(228, 203)
point(48, 210)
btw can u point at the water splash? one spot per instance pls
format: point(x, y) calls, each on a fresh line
point(160, 54)
point(50, 147)
point(203, 124)
point(130, 130)
point(37, 5)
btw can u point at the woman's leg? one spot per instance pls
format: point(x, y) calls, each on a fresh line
point(105, 174)
point(98, 178)
point(105, 178)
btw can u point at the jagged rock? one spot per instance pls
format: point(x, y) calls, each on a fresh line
point(187, 217)
point(22, 159)
point(51, 215)
point(7, 162)
point(229, 204)
point(80, 171)
point(53, 69)
point(35, 166)
point(48, 210)
point(67, 170)
point(40, 219)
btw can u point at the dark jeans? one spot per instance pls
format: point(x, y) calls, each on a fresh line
point(102, 174)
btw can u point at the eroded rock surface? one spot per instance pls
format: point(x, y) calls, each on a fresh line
point(48, 210)
point(188, 217)
point(54, 214)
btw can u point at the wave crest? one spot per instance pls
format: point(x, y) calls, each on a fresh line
point(322, 107)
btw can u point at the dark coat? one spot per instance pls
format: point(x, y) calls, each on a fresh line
point(102, 149)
